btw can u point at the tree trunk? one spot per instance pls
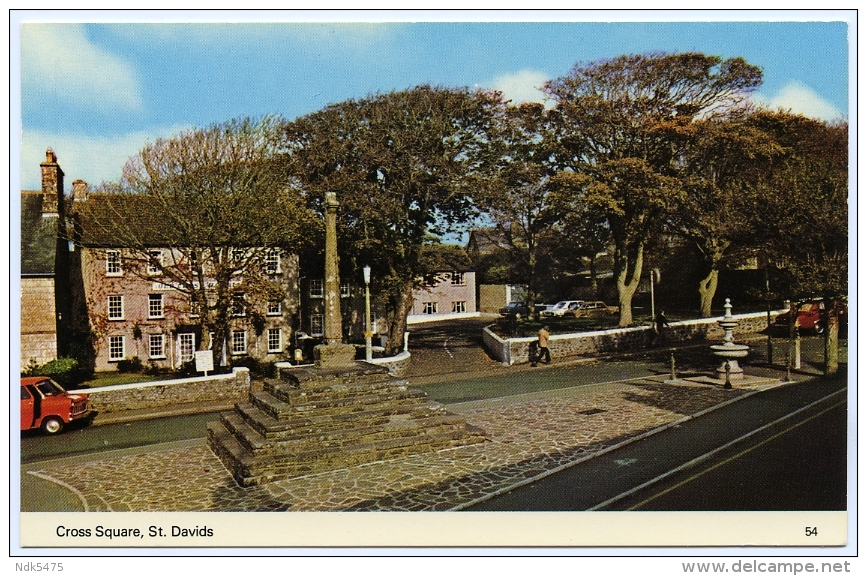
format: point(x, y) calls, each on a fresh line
point(397, 327)
point(706, 291)
point(628, 277)
point(832, 340)
point(594, 282)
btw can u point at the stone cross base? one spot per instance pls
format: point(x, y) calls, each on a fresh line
point(334, 355)
point(314, 419)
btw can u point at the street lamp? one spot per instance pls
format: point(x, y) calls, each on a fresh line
point(368, 334)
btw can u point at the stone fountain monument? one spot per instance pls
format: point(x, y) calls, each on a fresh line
point(728, 351)
point(336, 414)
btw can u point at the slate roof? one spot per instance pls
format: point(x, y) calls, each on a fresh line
point(120, 220)
point(38, 237)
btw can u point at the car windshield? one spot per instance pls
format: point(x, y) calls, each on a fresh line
point(560, 305)
point(49, 388)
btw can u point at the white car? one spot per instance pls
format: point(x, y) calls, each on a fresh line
point(563, 307)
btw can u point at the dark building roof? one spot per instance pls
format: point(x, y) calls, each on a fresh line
point(38, 237)
point(121, 220)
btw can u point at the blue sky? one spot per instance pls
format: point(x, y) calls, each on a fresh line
point(97, 92)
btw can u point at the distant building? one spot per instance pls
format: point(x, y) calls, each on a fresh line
point(446, 292)
point(43, 267)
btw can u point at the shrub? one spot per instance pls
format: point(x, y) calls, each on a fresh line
point(65, 371)
point(129, 365)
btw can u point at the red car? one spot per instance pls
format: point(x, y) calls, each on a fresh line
point(47, 406)
point(809, 318)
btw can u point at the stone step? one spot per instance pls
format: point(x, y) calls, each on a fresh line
point(291, 394)
point(302, 402)
point(407, 431)
point(312, 422)
point(359, 373)
point(230, 452)
point(274, 407)
point(268, 468)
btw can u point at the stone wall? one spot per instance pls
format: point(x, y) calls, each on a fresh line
point(224, 389)
point(517, 350)
point(397, 365)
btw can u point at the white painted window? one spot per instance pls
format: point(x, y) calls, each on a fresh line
point(317, 325)
point(155, 262)
point(115, 348)
point(115, 307)
point(156, 345)
point(317, 288)
point(458, 279)
point(275, 340)
point(239, 342)
point(155, 306)
point(186, 347)
point(275, 308)
point(238, 305)
point(429, 308)
point(112, 263)
point(459, 306)
point(272, 262)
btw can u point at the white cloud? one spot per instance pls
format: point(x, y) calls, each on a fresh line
point(58, 62)
point(522, 86)
point(90, 158)
point(801, 99)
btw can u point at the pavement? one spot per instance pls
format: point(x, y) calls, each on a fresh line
point(529, 436)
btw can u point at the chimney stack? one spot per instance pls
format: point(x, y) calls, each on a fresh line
point(52, 185)
point(79, 190)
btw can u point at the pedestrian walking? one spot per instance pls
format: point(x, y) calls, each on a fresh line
point(659, 323)
point(543, 346)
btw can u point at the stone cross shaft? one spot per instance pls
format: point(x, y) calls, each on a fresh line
point(333, 322)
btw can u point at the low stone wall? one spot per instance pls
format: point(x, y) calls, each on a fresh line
point(397, 365)
point(221, 389)
point(517, 350)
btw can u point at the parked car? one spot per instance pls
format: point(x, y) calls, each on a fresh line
point(595, 309)
point(515, 310)
point(47, 406)
point(809, 318)
point(562, 307)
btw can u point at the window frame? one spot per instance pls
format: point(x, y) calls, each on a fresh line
point(162, 346)
point(274, 308)
point(272, 262)
point(113, 263)
point(236, 351)
point(116, 316)
point(279, 343)
point(159, 257)
point(191, 336)
point(320, 319)
point(458, 279)
point(429, 308)
point(462, 304)
point(112, 356)
point(319, 292)
point(152, 298)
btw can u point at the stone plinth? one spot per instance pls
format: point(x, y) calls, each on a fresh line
point(334, 355)
point(327, 418)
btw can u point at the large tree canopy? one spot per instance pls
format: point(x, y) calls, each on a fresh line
point(616, 120)
point(403, 165)
point(217, 199)
point(800, 213)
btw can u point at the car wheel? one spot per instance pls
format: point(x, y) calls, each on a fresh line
point(52, 425)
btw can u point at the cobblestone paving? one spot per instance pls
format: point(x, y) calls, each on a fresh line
point(528, 436)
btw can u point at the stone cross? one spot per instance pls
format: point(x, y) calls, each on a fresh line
point(333, 322)
point(332, 353)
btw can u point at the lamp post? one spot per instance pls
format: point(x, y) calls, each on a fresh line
point(368, 334)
